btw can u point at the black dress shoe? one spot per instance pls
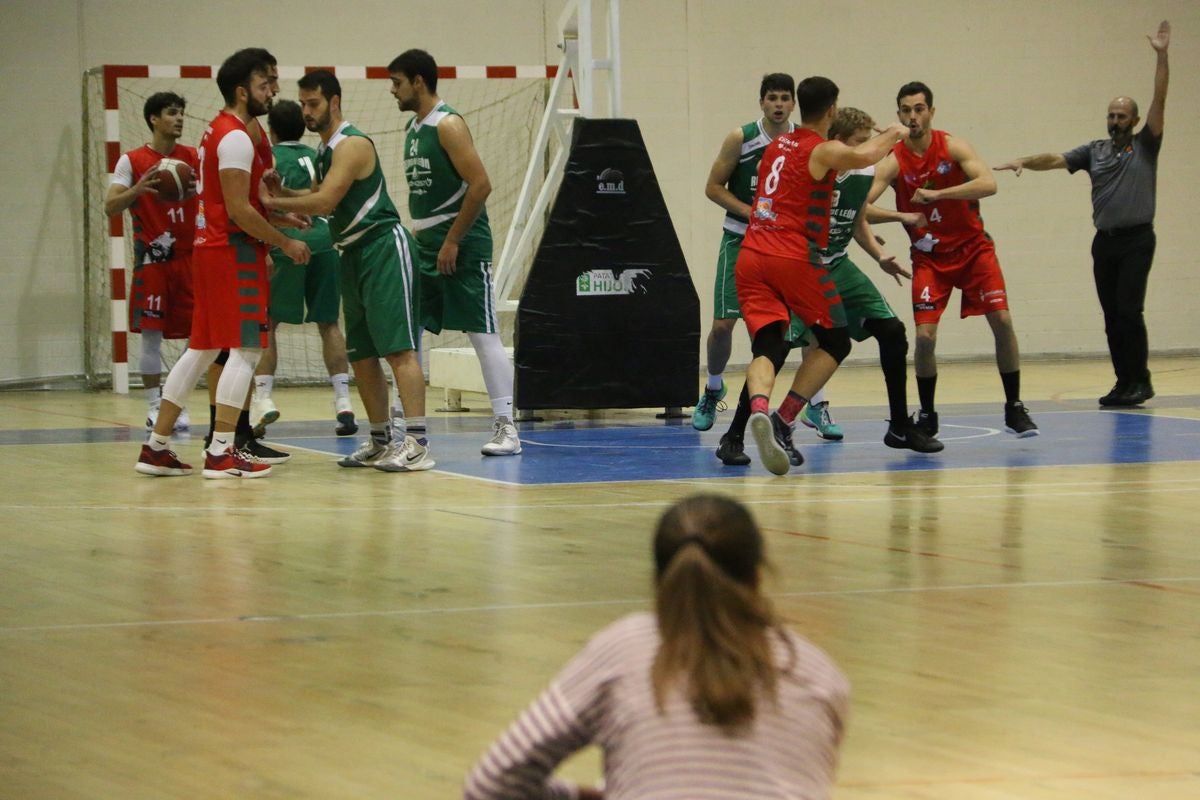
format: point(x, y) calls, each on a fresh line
point(1113, 398)
point(1138, 393)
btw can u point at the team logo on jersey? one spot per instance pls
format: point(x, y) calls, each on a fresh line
point(944, 167)
point(610, 181)
point(763, 209)
point(602, 282)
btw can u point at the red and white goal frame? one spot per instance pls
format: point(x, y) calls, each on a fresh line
point(513, 98)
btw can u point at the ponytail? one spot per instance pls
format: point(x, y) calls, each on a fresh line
point(716, 627)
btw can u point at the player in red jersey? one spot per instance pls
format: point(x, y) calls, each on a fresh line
point(942, 177)
point(160, 305)
point(232, 235)
point(779, 270)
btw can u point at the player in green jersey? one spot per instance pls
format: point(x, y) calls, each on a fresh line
point(447, 187)
point(378, 279)
point(302, 294)
point(867, 312)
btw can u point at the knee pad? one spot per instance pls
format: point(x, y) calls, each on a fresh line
point(769, 343)
point(150, 362)
point(186, 373)
point(834, 341)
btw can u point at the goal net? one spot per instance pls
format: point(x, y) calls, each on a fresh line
point(502, 105)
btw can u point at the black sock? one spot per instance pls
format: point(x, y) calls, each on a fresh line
point(741, 415)
point(925, 390)
point(1012, 385)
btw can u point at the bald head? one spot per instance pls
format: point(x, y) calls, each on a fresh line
point(1122, 119)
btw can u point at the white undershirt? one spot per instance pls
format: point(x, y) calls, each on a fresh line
point(235, 151)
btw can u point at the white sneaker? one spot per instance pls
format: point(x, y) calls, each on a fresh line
point(366, 455)
point(504, 441)
point(344, 413)
point(262, 413)
point(408, 456)
point(184, 421)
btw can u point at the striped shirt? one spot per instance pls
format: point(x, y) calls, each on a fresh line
point(604, 696)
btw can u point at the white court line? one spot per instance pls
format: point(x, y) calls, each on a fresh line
point(489, 609)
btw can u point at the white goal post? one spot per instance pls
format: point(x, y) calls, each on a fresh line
point(502, 105)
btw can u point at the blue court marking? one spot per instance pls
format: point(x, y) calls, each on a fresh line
point(591, 452)
point(588, 452)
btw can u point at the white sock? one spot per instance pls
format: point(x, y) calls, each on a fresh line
point(157, 443)
point(714, 381)
point(263, 384)
point(341, 385)
point(502, 406)
point(494, 364)
point(220, 442)
point(818, 397)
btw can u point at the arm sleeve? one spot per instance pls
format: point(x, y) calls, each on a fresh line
point(235, 151)
point(1079, 158)
point(123, 173)
point(561, 721)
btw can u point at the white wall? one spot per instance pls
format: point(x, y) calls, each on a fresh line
point(1013, 78)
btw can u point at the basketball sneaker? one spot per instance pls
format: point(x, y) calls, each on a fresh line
point(504, 441)
point(407, 456)
point(184, 422)
point(927, 421)
point(232, 464)
point(366, 455)
point(254, 450)
point(732, 451)
point(1016, 419)
point(160, 462)
point(905, 435)
point(707, 407)
point(816, 416)
point(344, 412)
point(263, 412)
point(769, 436)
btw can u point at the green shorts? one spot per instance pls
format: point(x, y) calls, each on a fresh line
point(725, 299)
point(380, 296)
point(464, 301)
point(313, 286)
point(861, 300)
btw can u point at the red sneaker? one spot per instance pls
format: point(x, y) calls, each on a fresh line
point(160, 462)
point(231, 464)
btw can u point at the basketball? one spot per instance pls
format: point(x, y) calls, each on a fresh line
point(174, 179)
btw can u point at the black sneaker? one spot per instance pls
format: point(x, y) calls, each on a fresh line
point(927, 422)
point(905, 435)
point(1114, 396)
point(732, 451)
point(783, 432)
point(775, 456)
point(1017, 420)
point(257, 450)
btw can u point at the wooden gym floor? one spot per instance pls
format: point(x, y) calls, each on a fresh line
point(1019, 622)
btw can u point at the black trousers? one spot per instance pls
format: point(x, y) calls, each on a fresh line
point(1121, 267)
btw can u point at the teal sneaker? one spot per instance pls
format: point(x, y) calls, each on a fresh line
point(707, 407)
point(816, 416)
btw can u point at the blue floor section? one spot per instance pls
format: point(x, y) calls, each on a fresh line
point(589, 452)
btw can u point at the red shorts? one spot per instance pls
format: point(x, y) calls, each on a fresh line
point(771, 287)
point(973, 268)
point(232, 293)
point(160, 298)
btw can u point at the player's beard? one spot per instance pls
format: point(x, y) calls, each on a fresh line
point(318, 124)
point(256, 108)
point(1119, 135)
